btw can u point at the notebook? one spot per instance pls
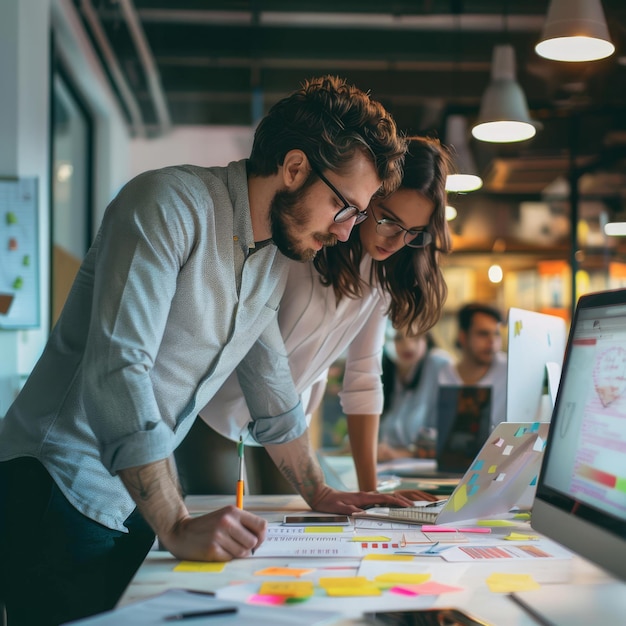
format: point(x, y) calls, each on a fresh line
point(503, 472)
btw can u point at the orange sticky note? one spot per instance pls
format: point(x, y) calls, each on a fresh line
point(283, 571)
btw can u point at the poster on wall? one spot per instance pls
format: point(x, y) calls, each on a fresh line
point(19, 253)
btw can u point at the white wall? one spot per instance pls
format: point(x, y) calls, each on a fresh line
point(25, 27)
point(196, 145)
point(24, 128)
point(112, 160)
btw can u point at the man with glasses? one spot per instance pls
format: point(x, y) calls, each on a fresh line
point(338, 308)
point(181, 286)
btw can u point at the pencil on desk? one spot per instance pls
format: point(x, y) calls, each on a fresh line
point(240, 481)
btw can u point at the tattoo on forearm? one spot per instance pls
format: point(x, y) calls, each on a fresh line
point(143, 486)
point(305, 478)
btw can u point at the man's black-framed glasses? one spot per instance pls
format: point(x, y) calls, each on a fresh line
point(349, 210)
point(413, 237)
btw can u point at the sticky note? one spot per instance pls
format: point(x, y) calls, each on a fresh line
point(388, 557)
point(521, 537)
point(298, 589)
point(430, 588)
point(356, 590)
point(492, 469)
point(257, 598)
point(459, 498)
point(494, 522)
point(507, 450)
point(370, 539)
point(402, 578)
point(508, 583)
point(323, 529)
point(346, 581)
point(283, 571)
point(198, 566)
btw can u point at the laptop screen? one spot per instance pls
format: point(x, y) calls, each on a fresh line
point(463, 418)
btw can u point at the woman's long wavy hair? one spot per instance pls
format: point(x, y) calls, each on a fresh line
point(412, 276)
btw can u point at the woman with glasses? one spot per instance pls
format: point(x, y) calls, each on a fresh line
point(340, 304)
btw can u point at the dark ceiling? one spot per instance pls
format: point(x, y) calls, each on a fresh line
point(210, 62)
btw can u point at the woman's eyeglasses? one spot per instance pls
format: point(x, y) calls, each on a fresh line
point(413, 237)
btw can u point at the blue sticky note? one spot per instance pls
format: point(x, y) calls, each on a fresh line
point(520, 432)
point(478, 465)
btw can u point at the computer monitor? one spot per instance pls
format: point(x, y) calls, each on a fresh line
point(534, 358)
point(580, 500)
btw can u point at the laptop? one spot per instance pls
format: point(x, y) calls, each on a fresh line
point(463, 418)
point(501, 475)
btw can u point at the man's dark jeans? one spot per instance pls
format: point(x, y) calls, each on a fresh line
point(57, 565)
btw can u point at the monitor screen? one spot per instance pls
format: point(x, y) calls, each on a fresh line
point(534, 357)
point(581, 495)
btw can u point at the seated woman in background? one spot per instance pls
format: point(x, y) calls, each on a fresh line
point(410, 370)
point(340, 303)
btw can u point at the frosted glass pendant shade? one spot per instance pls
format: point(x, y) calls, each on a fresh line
point(466, 176)
point(504, 115)
point(575, 31)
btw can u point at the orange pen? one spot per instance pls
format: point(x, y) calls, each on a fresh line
point(240, 481)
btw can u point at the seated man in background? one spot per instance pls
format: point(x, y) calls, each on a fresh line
point(482, 362)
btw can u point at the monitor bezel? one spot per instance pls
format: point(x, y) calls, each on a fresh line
point(588, 531)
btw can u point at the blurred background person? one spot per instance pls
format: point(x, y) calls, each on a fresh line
point(482, 362)
point(411, 368)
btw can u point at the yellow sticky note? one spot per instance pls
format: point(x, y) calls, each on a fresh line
point(459, 499)
point(494, 522)
point(401, 578)
point(356, 590)
point(198, 566)
point(508, 583)
point(283, 571)
point(323, 529)
point(342, 581)
point(388, 557)
point(521, 537)
point(380, 538)
point(492, 469)
point(299, 589)
point(522, 516)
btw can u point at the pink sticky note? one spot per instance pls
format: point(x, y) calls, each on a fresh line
point(430, 588)
point(258, 598)
point(437, 529)
point(482, 529)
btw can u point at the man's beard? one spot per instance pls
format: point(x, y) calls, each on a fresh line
point(288, 218)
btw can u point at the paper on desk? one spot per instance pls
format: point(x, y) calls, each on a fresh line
point(329, 546)
point(542, 549)
point(152, 612)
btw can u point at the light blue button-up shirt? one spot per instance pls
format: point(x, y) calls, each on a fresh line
point(170, 299)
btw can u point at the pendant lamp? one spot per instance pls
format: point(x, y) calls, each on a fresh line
point(503, 116)
point(575, 30)
point(466, 176)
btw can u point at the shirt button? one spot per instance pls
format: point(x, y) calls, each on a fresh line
point(235, 238)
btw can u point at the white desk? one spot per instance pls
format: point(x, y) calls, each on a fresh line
point(156, 574)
